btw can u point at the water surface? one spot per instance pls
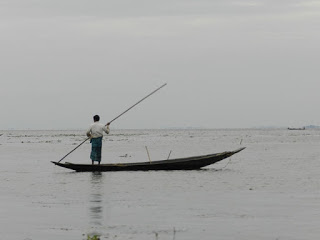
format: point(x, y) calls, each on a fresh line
point(268, 191)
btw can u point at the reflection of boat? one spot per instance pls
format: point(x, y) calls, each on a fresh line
point(303, 128)
point(189, 163)
point(96, 198)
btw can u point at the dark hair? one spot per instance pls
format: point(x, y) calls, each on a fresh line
point(96, 118)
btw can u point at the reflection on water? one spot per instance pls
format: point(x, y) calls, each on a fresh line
point(96, 200)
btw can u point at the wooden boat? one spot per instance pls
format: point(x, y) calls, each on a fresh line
point(190, 163)
point(303, 128)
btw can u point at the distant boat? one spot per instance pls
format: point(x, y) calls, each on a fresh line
point(190, 163)
point(303, 128)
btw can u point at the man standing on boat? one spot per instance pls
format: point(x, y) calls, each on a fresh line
point(95, 133)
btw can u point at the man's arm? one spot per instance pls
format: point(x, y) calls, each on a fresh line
point(89, 133)
point(106, 128)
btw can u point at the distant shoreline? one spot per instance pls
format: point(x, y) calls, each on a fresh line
point(173, 128)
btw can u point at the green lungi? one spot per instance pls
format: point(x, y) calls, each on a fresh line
point(96, 146)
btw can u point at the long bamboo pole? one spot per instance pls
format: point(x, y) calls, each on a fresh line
point(116, 118)
point(137, 103)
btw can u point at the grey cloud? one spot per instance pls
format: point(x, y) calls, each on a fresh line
point(227, 63)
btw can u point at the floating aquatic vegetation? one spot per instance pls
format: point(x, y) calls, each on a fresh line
point(126, 155)
point(94, 237)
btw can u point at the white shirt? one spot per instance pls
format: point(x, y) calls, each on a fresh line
point(96, 130)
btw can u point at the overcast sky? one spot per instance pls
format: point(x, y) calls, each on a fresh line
point(228, 64)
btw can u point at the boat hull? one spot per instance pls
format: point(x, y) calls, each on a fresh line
point(190, 163)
